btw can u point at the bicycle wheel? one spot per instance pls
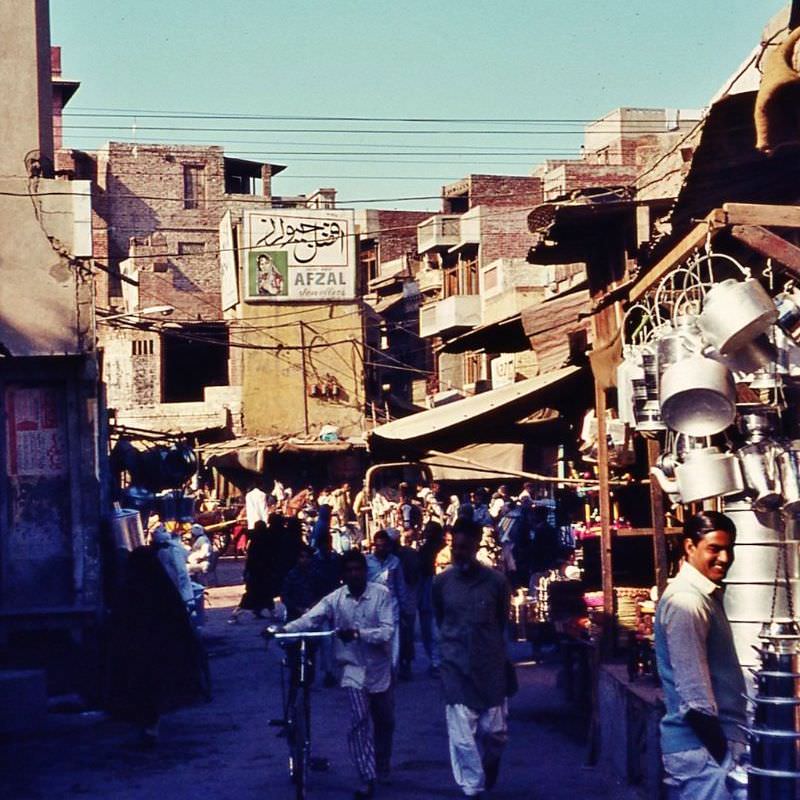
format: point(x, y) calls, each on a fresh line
point(297, 728)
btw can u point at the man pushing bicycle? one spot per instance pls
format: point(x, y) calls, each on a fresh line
point(362, 615)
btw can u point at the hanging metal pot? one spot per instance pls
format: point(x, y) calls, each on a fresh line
point(705, 472)
point(760, 466)
point(735, 312)
point(789, 467)
point(698, 396)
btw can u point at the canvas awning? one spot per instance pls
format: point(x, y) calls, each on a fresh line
point(454, 424)
point(249, 454)
point(503, 456)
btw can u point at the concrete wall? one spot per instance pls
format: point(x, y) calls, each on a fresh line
point(274, 392)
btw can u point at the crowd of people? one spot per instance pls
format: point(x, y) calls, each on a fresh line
point(410, 559)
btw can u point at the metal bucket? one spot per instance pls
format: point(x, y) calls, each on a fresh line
point(126, 529)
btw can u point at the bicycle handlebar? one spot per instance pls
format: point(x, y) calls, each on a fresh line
point(303, 635)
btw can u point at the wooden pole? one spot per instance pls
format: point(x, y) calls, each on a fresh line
point(604, 492)
point(305, 375)
point(657, 517)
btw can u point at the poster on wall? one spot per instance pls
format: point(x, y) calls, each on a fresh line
point(227, 263)
point(35, 432)
point(299, 255)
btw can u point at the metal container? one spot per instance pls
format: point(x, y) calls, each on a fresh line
point(736, 312)
point(748, 585)
point(698, 396)
point(126, 529)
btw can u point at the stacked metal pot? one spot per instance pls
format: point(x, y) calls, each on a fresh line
point(774, 735)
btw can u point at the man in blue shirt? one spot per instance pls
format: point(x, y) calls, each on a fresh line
point(699, 669)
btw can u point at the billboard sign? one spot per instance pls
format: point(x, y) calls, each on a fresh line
point(299, 254)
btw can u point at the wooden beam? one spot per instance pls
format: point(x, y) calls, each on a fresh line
point(657, 516)
point(679, 253)
point(762, 214)
point(769, 244)
point(604, 492)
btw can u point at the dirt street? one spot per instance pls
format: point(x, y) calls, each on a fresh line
point(225, 750)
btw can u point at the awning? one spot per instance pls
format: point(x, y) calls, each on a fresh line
point(454, 424)
point(249, 453)
point(504, 336)
point(502, 456)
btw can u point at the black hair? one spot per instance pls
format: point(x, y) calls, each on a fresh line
point(382, 534)
point(698, 525)
point(356, 556)
point(467, 527)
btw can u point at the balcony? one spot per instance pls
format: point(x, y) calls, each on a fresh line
point(450, 316)
point(440, 231)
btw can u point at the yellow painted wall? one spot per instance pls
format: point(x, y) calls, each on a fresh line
point(273, 390)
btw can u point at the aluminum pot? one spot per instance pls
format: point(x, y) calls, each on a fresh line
point(761, 469)
point(705, 472)
point(789, 468)
point(736, 312)
point(698, 396)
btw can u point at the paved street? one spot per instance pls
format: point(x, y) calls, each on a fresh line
point(225, 750)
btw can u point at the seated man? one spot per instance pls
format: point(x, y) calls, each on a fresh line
point(198, 560)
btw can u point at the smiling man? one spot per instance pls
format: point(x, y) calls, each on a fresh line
point(700, 672)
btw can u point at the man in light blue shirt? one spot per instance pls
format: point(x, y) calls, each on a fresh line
point(699, 669)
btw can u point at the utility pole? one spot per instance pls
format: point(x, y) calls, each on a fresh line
point(305, 374)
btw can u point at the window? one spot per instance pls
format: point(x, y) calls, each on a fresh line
point(142, 347)
point(194, 186)
point(369, 259)
point(192, 358)
point(451, 282)
point(469, 273)
point(472, 368)
point(191, 248)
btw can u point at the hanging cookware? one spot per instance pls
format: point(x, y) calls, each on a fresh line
point(705, 472)
point(757, 422)
point(789, 467)
point(735, 312)
point(761, 473)
point(698, 396)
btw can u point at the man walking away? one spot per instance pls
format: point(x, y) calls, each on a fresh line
point(471, 603)
point(701, 733)
point(431, 546)
point(362, 615)
point(384, 567)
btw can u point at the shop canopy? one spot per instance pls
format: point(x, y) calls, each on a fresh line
point(471, 463)
point(476, 419)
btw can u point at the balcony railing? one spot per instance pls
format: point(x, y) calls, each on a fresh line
point(439, 231)
point(451, 315)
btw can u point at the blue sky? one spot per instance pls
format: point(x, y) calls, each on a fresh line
point(570, 61)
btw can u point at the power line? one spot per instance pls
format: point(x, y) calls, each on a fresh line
point(94, 111)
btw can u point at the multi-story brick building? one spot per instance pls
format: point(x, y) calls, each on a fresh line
point(396, 356)
point(615, 149)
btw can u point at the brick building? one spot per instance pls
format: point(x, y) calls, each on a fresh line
point(395, 354)
point(616, 148)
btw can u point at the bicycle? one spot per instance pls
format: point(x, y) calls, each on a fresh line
point(297, 706)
